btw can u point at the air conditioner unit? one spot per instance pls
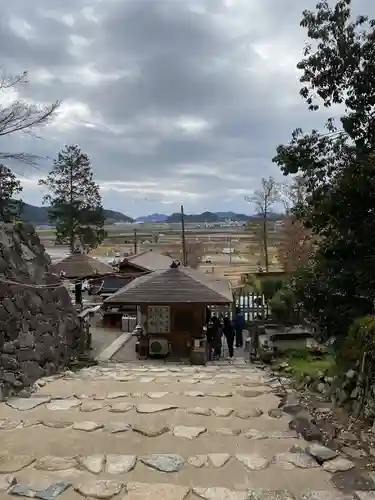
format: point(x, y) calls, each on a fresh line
point(158, 346)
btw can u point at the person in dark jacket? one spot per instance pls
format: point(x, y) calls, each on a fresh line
point(217, 338)
point(228, 331)
point(239, 324)
point(210, 335)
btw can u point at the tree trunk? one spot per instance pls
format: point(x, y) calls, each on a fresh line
point(71, 218)
point(265, 241)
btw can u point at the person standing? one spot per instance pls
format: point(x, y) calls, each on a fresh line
point(239, 324)
point(210, 335)
point(217, 338)
point(228, 331)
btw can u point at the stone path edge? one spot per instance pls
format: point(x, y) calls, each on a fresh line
point(102, 489)
point(165, 463)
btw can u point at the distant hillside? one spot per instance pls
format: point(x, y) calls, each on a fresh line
point(213, 217)
point(39, 215)
point(152, 218)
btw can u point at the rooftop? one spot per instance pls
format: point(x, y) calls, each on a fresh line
point(151, 260)
point(174, 285)
point(80, 265)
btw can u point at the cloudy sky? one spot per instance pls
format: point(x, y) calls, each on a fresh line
point(175, 101)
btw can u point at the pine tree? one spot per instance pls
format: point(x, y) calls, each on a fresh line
point(9, 187)
point(74, 197)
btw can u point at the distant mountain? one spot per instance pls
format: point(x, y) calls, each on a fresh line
point(270, 216)
point(113, 216)
point(39, 215)
point(208, 217)
point(233, 216)
point(152, 218)
point(214, 217)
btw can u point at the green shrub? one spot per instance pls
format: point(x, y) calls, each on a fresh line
point(270, 286)
point(283, 306)
point(252, 285)
point(360, 341)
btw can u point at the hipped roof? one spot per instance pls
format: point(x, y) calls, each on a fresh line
point(79, 265)
point(174, 285)
point(150, 260)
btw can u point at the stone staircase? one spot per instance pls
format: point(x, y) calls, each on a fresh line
point(156, 432)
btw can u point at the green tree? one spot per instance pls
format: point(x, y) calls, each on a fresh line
point(10, 187)
point(338, 166)
point(264, 199)
point(76, 204)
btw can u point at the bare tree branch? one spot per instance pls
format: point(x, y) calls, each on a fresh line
point(21, 116)
point(296, 244)
point(27, 158)
point(293, 194)
point(263, 199)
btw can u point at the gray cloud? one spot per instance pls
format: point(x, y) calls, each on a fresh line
point(173, 101)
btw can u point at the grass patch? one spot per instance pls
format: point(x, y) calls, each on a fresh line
point(304, 363)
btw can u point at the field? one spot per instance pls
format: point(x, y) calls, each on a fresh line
point(224, 251)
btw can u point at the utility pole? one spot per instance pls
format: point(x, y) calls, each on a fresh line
point(230, 249)
point(135, 242)
point(183, 241)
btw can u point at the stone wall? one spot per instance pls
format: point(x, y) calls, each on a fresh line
point(39, 327)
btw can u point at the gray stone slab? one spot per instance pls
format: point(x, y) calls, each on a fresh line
point(25, 404)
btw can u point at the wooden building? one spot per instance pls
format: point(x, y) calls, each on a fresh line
point(148, 260)
point(80, 266)
point(172, 306)
point(129, 269)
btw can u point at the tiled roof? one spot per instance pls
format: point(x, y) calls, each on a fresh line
point(151, 260)
point(79, 265)
point(174, 285)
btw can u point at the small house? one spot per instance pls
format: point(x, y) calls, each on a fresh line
point(130, 268)
point(80, 266)
point(172, 306)
point(145, 261)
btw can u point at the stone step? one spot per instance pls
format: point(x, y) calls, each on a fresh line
point(151, 392)
point(216, 408)
point(146, 428)
point(114, 463)
point(126, 470)
point(108, 428)
point(103, 489)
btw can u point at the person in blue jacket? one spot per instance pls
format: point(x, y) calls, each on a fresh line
point(239, 324)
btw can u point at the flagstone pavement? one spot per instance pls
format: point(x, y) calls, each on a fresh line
point(157, 431)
